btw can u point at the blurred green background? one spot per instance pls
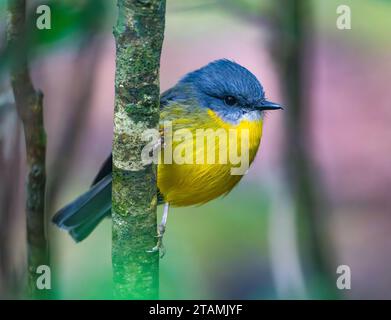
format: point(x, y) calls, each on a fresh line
point(253, 243)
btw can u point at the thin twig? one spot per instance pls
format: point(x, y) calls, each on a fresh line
point(290, 50)
point(29, 105)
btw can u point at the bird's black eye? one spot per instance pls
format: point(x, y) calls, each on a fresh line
point(230, 100)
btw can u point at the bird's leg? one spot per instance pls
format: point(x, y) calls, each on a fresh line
point(161, 229)
point(156, 147)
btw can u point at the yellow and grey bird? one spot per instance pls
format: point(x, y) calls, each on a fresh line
point(219, 96)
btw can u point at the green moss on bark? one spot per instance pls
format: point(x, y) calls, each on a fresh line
point(139, 36)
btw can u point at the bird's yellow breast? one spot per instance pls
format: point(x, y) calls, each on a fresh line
point(201, 180)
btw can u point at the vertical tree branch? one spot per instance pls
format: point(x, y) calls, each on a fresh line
point(29, 107)
point(290, 50)
point(139, 36)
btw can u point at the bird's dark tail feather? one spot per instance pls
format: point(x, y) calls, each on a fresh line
point(81, 216)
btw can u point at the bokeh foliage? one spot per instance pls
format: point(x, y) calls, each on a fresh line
point(72, 21)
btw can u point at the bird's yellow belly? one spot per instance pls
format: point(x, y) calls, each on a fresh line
point(197, 183)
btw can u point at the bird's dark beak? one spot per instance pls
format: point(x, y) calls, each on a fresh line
point(268, 105)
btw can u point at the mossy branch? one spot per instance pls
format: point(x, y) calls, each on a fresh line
point(29, 105)
point(139, 36)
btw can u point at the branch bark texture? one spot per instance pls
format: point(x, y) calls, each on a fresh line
point(29, 105)
point(139, 36)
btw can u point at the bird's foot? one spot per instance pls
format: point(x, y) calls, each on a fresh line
point(156, 147)
point(159, 245)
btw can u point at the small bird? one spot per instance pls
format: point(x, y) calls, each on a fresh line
point(221, 95)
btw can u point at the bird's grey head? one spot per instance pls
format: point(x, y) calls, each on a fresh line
point(228, 89)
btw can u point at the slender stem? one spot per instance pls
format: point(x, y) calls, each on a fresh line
point(29, 105)
point(139, 36)
point(290, 50)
